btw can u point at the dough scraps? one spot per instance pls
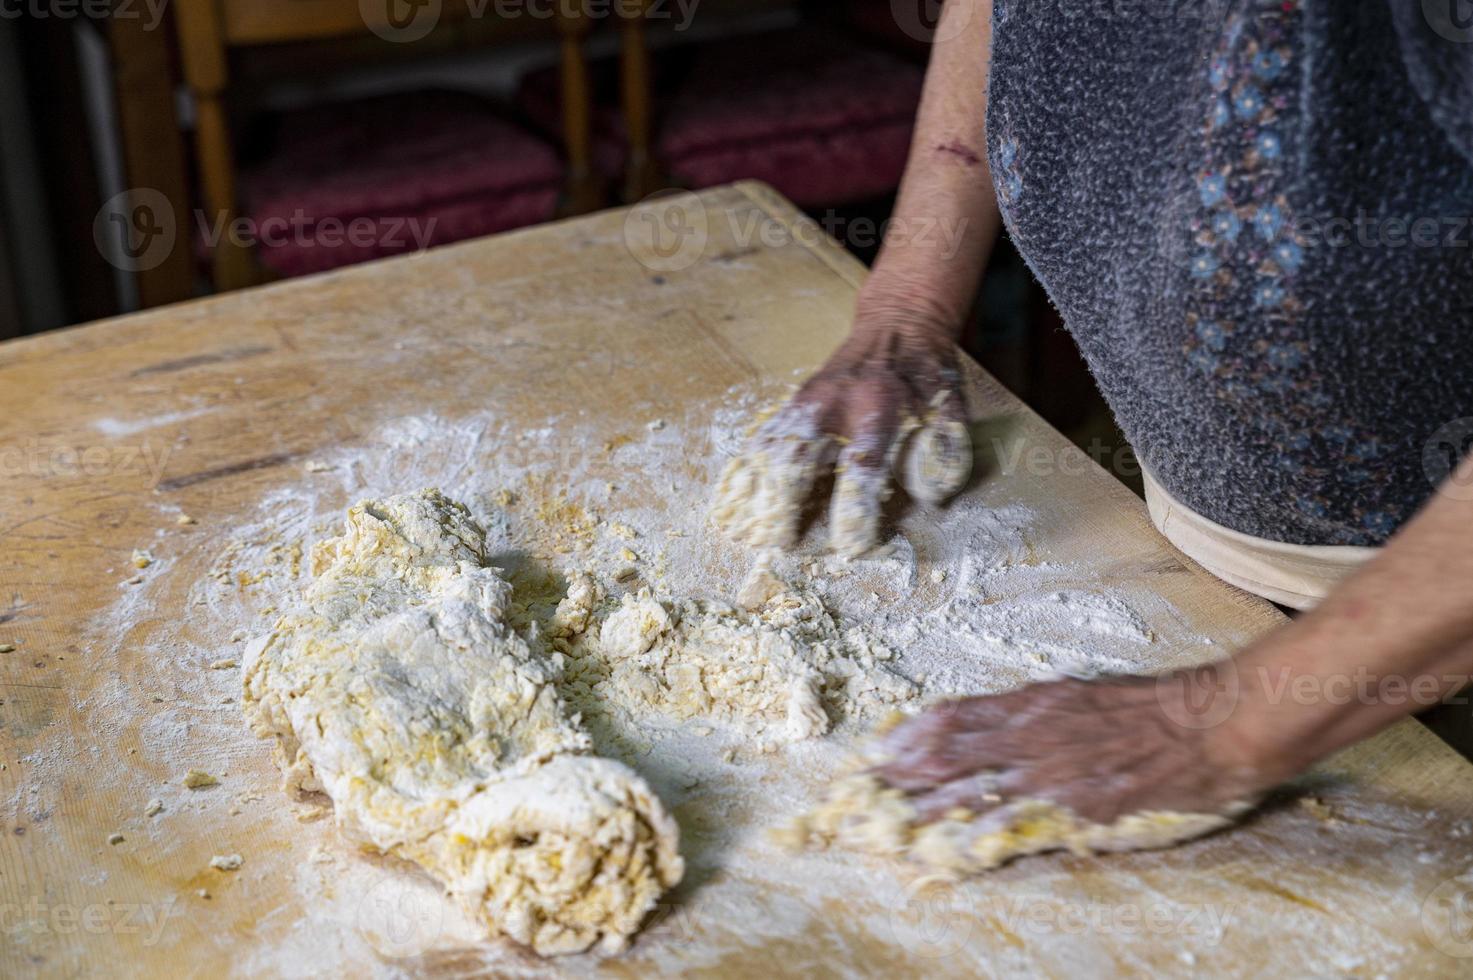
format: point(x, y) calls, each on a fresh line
point(862, 813)
point(784, 665)
point(401, 692)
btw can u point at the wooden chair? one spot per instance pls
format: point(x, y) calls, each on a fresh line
point(642, 176)
point(210, 30)
point(153, 149)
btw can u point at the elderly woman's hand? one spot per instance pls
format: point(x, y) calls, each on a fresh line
point(1102, 748)
point(849, 418)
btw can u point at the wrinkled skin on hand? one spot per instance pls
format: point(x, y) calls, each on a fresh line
point(1102, 748)
point(849, 417)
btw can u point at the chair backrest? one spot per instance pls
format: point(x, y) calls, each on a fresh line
point(247, 22)
point(208, 29)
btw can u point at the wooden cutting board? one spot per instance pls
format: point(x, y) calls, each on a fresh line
point(567, 342)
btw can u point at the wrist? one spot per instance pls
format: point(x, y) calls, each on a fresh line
point(1282, 721)
point(899, 306)
point(1208, 705)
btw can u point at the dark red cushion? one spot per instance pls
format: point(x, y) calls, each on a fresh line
point(787, 83)
point(425, 155)
point(823, 119)
point(813, 171)
point(432, 225)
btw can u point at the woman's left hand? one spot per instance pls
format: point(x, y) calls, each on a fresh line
point(1102, 748)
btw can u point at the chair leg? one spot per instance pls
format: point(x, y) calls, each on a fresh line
point(202, 53)
point(584, 189)
point(153, 148)
point(642, 175)
point(233, 266)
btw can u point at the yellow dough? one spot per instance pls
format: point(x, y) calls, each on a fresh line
point(863, 814)
point(781, 667)
point(401, 693)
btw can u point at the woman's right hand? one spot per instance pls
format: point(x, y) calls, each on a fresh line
point(900, 363)
point(897, 368)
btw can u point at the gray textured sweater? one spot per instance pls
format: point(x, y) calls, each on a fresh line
point(1254, 218)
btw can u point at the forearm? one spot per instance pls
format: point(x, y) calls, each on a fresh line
point(946, 218)
point(1394, 639)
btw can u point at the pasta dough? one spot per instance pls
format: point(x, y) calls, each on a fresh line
point(862, 813)
point(783, 666)
point(439, 735)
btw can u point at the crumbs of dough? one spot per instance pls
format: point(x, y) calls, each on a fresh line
point(199, 779)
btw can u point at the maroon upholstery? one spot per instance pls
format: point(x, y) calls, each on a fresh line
point(824, 119)
point(821, 118)
point(443, 160)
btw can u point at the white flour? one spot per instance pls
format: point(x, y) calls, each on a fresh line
point(130, 427)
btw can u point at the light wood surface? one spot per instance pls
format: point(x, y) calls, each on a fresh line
point(113, 429)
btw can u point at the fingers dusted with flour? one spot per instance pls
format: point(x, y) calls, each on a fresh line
point(898, 368)
point(761, 496)
point(937, 459)
point(894, 374)
point(1103, 749)
point(862, 484)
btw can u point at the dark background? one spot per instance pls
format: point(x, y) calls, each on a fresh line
point(816, 98)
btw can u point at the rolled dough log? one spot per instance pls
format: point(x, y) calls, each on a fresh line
point(401, 693)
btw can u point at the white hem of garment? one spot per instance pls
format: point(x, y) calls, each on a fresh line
point(1293, 575)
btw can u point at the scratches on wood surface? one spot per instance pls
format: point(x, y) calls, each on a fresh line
point(200, 360)
point(230, 469)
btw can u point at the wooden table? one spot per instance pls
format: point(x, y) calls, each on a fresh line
point(114, 430)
